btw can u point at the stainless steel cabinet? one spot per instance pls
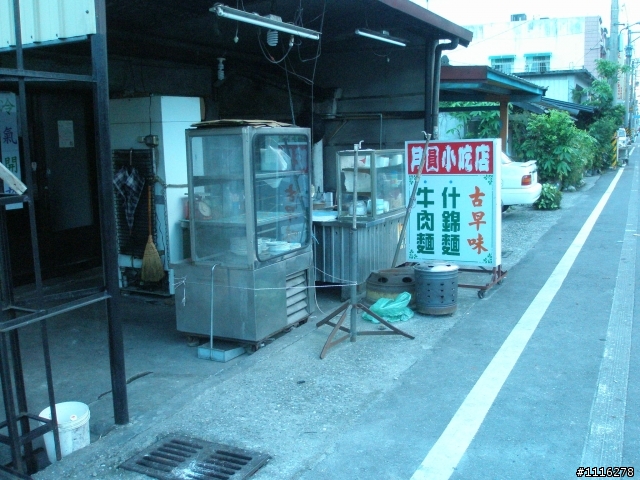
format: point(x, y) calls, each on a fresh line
point(249, 226)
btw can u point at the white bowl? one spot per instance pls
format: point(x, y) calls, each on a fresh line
point(364, 182)
point(276, 243)
point(395, 159)
point(278, 250)
point(361, 208)
point(382, 161)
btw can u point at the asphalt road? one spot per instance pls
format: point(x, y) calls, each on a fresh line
point(540, 380)
point(534, 381)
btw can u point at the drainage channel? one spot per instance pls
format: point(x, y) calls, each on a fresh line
point(177, 457)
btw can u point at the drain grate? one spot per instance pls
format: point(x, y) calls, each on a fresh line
point(179, 458)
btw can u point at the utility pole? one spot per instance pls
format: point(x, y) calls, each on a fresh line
point(613, 45)
point(633, 104)
point(627, 87)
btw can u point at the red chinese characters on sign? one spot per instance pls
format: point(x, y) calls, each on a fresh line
point(476, 197)
point(477, 243)
point(454, 158)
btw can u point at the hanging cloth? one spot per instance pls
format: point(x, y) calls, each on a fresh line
point(129, 184)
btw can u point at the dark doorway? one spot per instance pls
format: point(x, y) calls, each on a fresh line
point(64, 190)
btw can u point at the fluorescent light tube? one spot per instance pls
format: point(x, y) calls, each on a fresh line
point(383, 37)
point(255, 19)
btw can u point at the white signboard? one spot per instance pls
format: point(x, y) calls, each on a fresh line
point(9, 146)
point(457, 213)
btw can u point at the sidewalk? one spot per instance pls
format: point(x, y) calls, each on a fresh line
point(282, 400)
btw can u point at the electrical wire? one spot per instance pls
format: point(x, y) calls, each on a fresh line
point(293, 115)
point(476, 42)
point(309, 287)
point(313, 76)
point(268, 56)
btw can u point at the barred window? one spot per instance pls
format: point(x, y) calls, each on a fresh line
point(503, 64)
point(537, 63)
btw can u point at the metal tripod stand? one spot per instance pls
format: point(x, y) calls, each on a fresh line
point(353, 304)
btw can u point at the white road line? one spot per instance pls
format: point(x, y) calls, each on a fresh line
point(605, 439)
point(446, 453)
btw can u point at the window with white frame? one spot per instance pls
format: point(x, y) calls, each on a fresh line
point(503, 64)
point(537, 63)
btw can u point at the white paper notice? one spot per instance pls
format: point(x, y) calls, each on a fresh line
point(65, 134)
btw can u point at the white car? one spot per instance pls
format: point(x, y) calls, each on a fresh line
point(519, 182)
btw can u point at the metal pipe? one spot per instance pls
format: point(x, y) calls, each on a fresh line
point(211, 313)
point(9, 406)
point(403, 232)
point(435, 110)
point(50, 392)
point(429, 53)
point(26, 150)
point(354, 245)
point(106, 201)
point(21, 399)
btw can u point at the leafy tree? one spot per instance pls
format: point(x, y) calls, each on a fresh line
point(518, 122)
point(475, 123)
point(608, 116)
point(608, 70)
point(600, 94)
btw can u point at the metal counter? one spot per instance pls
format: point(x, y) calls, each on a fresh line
point(248, 305)
point(377, 241)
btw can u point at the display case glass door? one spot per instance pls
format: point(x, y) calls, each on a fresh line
point(281, 193)
point(379, 182)
point(217, 199)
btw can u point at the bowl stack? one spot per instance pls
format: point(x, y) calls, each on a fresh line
point(262, 245)
point(278, 247)
point(238, 245)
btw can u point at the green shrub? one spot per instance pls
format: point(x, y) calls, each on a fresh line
point(603, 130)
point(608, 116)
point(584, 159)
point(550, 198)
point(561, 149)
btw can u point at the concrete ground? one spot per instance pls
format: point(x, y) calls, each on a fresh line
point(344, 416)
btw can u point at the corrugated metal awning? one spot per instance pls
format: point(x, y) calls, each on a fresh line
point(480, 83)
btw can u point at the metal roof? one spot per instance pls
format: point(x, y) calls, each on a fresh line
point(189, 32)
point(480, 83)
point(583, 73)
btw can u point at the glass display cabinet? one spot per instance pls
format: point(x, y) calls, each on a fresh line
point(248, 219)
point(380, 211)
point(380, 183)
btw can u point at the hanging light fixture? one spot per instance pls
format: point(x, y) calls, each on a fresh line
point(272, 35)
point(383, 37)
point(266, 22)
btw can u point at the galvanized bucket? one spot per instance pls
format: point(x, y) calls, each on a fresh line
point(436, 288)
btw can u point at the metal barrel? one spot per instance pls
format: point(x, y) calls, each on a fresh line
point(389, 283)
point(436, 288)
